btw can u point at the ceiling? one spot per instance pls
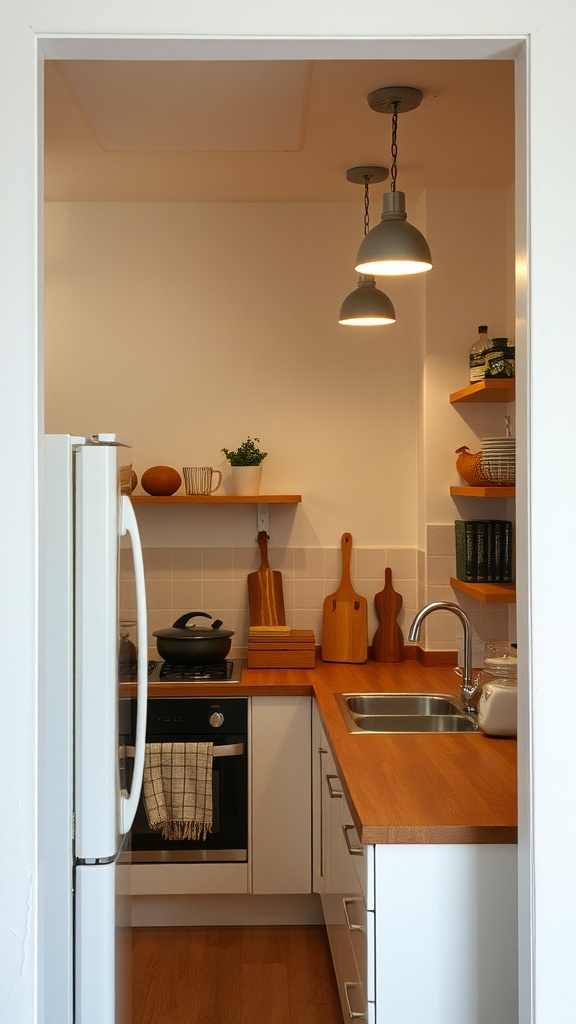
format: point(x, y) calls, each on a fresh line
point(269, 131)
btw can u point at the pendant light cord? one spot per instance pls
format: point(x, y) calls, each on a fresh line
point(394, 147)
point(366, 203)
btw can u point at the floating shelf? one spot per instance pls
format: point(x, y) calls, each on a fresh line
point(482, 492)
point(488, 593)
point(216, 499)
point(486, 391)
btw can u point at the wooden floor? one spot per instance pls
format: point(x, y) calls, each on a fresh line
point(241, 975)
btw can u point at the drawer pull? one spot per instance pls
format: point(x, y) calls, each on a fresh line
point(334, 793)
point(352, 927)
point(355, 850)
point(353, 1014)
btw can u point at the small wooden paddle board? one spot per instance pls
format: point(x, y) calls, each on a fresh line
point(388, 642)
point(345, 617)
point(265, 595)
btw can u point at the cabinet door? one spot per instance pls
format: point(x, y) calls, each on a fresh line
point(320, 753)
point(446, 915)
point(332, 797)
point(281, 853)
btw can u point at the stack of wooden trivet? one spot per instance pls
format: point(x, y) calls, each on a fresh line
point(280, 647)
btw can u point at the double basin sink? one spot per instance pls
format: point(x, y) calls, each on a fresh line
point(404, 712)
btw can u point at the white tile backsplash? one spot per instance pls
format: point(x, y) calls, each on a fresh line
point(157, 563)
point(402, 562)
point(309, 563)
point(440, 539)
point(215, 580)
point(188, 594)
point(187, 563)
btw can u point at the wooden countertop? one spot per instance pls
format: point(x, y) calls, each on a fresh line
point(402, 788)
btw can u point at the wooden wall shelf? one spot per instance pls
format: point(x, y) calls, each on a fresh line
point(216, 499)
point(482, 492)
point(486, 391)
point(488, 593)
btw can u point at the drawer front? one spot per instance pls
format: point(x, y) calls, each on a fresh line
point(359, 922)
point(355, 917)
point(360, 927)
point(352, 989)
point(362, 858)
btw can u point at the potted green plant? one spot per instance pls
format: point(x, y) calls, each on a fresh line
point(246, 466)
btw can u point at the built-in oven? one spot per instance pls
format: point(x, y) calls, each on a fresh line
point(222, 721)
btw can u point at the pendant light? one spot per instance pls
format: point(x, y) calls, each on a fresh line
point(366, 306)
point(394, 246)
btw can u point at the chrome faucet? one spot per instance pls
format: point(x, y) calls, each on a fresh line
point(469, 686)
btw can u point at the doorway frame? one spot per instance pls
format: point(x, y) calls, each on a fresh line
point(108, 48)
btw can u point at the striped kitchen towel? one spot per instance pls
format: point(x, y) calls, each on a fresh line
point(177, 789)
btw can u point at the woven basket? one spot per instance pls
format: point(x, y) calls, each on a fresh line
point(479, 471)
point(499, 472)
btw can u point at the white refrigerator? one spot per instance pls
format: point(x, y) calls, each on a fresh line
point(87, 811)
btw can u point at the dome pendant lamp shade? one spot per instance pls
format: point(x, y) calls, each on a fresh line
point(366, 306)
point(394, 246)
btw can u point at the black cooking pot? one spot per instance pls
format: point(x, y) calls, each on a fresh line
point(193, 645)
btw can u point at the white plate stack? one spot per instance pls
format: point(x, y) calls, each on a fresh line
point(498, 460)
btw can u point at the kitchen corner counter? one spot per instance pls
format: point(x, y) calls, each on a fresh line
point(408, 788)
point(436, 788)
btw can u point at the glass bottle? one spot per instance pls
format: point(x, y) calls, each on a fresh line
point(478, 355)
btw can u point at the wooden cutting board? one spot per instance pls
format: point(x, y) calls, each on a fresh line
point(345, 617)
point(265, 595)
point(388, 642)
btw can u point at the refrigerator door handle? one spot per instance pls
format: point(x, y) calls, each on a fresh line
point(129, 804)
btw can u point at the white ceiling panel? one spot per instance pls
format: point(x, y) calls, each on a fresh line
point(190, 106)
point(270, 131)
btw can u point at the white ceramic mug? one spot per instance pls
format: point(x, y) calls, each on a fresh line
point(198, 479)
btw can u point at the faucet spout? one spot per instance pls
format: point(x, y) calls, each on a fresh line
point(469, 686)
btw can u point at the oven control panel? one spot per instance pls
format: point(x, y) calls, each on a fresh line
point(175, 717)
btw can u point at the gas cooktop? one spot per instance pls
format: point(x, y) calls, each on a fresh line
point(163, 672)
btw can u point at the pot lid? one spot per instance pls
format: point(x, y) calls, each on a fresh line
point(180, 631)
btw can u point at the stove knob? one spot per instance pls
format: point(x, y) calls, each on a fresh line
point(216, 719)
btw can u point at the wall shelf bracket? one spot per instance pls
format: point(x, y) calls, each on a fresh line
point(262, 517)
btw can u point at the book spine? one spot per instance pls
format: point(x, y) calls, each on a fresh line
point(498, 549)
point(481, 552)
point(460, 540)
point(490, 553)
point(507, 552)
point(471, 550)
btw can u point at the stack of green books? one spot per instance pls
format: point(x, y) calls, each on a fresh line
point(483, 550)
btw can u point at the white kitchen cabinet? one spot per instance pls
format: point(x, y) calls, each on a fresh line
point(320, 757)
point(417, 932)
point(446, 934)
point(281, 811)
point(343, 873)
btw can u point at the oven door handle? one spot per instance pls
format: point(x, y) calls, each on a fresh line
point(224, 750)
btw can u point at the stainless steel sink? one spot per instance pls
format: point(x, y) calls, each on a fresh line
point(404, 712)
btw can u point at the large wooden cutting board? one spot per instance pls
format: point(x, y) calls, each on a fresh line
point(265, 595)
point(388, 642)
point(345, 617)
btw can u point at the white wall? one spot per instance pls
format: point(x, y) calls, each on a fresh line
point(449, 27)
point(150, 332)
point(186, 327)
point(144, 337)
